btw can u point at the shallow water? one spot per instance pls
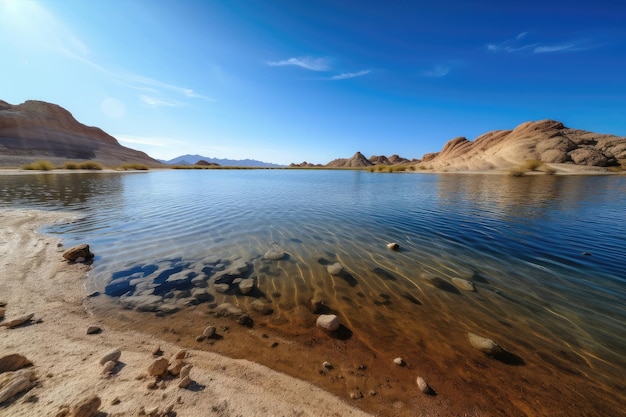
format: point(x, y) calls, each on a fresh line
point(545, 253)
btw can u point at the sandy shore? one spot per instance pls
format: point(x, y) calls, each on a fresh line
point(35, 279)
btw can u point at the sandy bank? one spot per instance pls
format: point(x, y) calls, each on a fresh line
point(35, 279)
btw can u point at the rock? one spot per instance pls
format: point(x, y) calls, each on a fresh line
point(372, 393)
point(87, 407)
point(108, 367)
point(175, 367)
point(151, 411)
point(158, 367)
point(483, 344)
point(184, 382)
point(112, 355)
point(93, 330)
point(399, 362)
point(157, 351)
point(3, 303)
point(17, 321)
point(261, 307)
point(116, 401)
point(328, 322)
point(152, 384)
point(209, 331)
point(13, 362)
point(245, 320)
point(246, 285)
point(181, 354)
point(591, 157)
point(199, 281)
point(422, 385)
point(202, 294)
point(2, 311)
point(327, 365)
point(78, 251)
point(463, 284)
point(19, 381)
point(335, 269)
point(356, 395)
point(274, 254)
point(200, 338)
point(393, 246)
point(222, 288)
point(185, 370)
point(227, 309)
point(316, 305)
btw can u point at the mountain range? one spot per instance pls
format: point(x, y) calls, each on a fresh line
point(194, 159)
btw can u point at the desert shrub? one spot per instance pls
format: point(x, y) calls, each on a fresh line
point(516, 172)
point(41, 165)
point(92, 165)
point(70, 165)
point(135, 166)
point(549, 170)
point(387, 168)
point(532, 165)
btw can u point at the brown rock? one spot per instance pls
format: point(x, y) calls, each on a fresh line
point(13, 362)
point(93, 330)
point(176, 366)
point(184, 382)
point(184, 372)
point(15, 383)
point(158, 367)
point(78, 251)
point(2, 311)
point(87, 407)
point(17, 321)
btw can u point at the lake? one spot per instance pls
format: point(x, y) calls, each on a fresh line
point(545, 254)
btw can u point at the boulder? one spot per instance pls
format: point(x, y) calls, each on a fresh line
point(592, 157)
point(78, 251)
point(328, 322)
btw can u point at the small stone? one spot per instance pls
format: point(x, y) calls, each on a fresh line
point(335, 269)
point(245, 320)
point(93, 330)
point(328, 322)
point(483, 344)
point(2, 311)
point(399, 362)
point(152, 384)
point(78, 251)
point(116, 401)
point(209, 331)
point(184, 372)
point(3, 303)
point(181, 354)
point(463, 284)
point(151, 411)
point(17, 321)
point(422, 385)
point(175, 367)
point(13, 362)
point(157, 351)
point(327, 365)
point(356, 395)
point(112, 355)
point(372, 393)
point(87, 407)
point(274, 254)
point(261, 307)
point(200, 338)
point(393, 246)
point(246, 285)
point(158, 367)
point(586, 254)
point(222, 288)
point(184, 382)
point(316, 305)
point(108, 367)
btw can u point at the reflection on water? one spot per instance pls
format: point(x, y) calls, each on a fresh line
point(544, 254)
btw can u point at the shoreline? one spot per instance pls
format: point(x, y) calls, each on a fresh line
point(65, 359)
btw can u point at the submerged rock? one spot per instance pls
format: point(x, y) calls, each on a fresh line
point(335, 269)
point(246, 285)
point(483, 344)
point(393, 246)
point(463, 284)
point(274, 254)
point(328, 322)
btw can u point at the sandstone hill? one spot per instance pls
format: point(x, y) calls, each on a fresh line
point(37, 130)
point(548, 141)
point(358, 160)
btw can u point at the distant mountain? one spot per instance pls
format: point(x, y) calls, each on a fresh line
point(548, 141)
point(193, 159)
point(37, 130)
point(358, 160)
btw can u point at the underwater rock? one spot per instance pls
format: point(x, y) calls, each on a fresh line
point(483, 344)
point(261, 307)
point(222, 288)
point(274, 254)
point(246, 285)
point(328, 322)
point(393, 246)
point(463, 284)
point(335, 269)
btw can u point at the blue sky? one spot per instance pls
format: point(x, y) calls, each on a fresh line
point(288, 81)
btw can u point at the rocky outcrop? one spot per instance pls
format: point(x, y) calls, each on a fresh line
point(548, 141)
point(37, 130)
point(204, 163)
point(357, 161)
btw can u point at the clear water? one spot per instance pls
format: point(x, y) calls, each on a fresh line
point(546, 253)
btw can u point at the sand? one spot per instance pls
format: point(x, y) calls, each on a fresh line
point(35, 279)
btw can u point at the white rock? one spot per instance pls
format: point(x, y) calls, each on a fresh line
point(393, 246)
point(328, 322)
point(112, 355)
point(335, 269)
point(246, 285)
point(108, 367)
point(274, 254)
point(327, 365)
point(399, 361)
point(422, 385)
point(483, 344)
point(463, 284)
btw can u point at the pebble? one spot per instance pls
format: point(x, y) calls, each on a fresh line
point(246, 285)
point(372, 393)
point(157, 351)
point(222, 288)
point(2, 311)
point(93, 330)
point(463, 284)
point(158, 367)
point(17, 321)
point(108, 367)
point(184, 382)
point(186, 370)
point(116, 401)
point(112, 355)
point(209, 331)
point(422, 385)
point(356, 395)
point(274, 254)
point(181, 354)
point(327, 365)
point(87, 407)
point(151, 411)
point(328, 322)
point(399, 362)
point(335, 269)
point(152, 384)
point(483, 344)
point(393, 246)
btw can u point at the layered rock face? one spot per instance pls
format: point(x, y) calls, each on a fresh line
point(38, 130)
point(547, 141)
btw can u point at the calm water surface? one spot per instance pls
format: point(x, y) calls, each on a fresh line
point(546, 253)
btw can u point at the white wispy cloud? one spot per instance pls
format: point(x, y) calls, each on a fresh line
point(156, 141)
point(517, 44)
point(160, 102)
point(437, 71)
point(346, 75)
point(313, 64)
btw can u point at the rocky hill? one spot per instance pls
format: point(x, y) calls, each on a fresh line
point(37, 130)
point(548, 141)
point(358, 160)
